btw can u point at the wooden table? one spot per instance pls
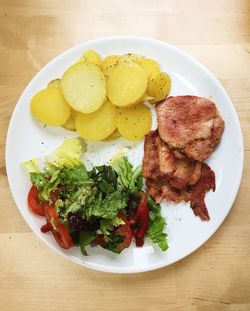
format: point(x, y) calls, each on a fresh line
point(217, 275)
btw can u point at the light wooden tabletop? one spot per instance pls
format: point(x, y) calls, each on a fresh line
point(217, 275)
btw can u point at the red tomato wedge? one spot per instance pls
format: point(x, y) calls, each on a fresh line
point(58, 229)
point(33, 202)
point(62, 236)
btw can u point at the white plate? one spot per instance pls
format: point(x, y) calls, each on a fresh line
point(27, 139)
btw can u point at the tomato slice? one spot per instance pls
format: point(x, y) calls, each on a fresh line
point(51, 215)
point(62, 236)
point(33, 202)
point(59, 231)
point(53, 196)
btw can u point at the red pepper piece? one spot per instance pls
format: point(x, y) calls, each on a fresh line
point(142, 216)
point(124, 231)
point(99, 240)
point(46, 228)
point(139, 218)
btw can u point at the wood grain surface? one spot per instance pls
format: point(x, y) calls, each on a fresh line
point(217, 275)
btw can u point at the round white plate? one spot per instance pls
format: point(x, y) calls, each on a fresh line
point(27, 139)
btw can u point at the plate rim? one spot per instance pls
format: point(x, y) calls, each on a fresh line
point(128, 270)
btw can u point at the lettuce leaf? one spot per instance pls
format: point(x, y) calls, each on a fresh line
point(44, 185)
point(106, 208)
point(105, 178)
point(68, 155)
point(72, 178)
point(156, 226)
point(128, 179)
point(31, 166)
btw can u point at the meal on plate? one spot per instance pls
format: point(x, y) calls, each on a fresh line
point(111, 205)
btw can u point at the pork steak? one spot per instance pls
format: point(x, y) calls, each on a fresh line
point(190, 123)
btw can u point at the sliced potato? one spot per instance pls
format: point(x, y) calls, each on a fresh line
point(159, 87)
point(99, 124)
point(127, 84)
point(147, 98)
point(70, 123)
point(134, 122)
point(109, 63)
point(49, 106)
point(92, 57)
point(113, 136)
point(84, 87)
point(130, 57)
point(151, 67)
point(54, 83)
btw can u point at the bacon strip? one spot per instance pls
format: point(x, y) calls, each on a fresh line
point(173, 177)
point(205, 183)
point(162, 190)
point(161, 162)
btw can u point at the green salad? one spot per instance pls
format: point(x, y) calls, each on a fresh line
point(104, 206)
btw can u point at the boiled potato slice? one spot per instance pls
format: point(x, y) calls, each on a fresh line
point(127, 84)
point(134, 122)
point(147, 98)
point(49, 107)
point(130, 57)
point(113, 136)
point(109, 63)
point(70, 123)
point(84, 87)
point(159, 87)
point(151, 67)
point(99, 124)
point(90, 56)
point(54, 83)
